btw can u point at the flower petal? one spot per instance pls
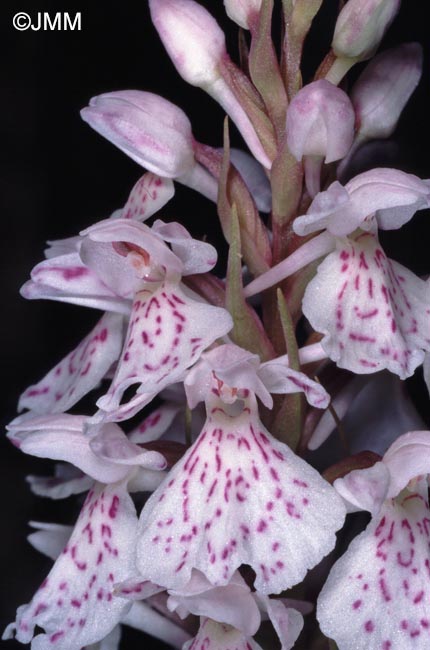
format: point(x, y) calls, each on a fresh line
point(62, 438)
point(168, 331)
point(280, 378)
point(67, 279)
point(232, 604)
point(75, 605)
point(79, 372)
point(149, 195)
point(238, 496)
point(218, 636)
point(288, 622)
point(155, 424)
point(365, 489)
point(49, 539)
point(66, 481)
point(145, 618)
point(373, 312)
point(196, 256)
point(407, 458)
point(377, 595)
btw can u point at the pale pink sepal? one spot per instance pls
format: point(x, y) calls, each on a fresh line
point(196, 256)
point(390, 195)
point(148, 196)
point(168, 331)
point(218, 636)
point(238, 496)
point(141, 616)
point(407, 458)
point(365, 489)
point(232, 604)
point(105, 456)
point(79, 372)
point(67, 279)
point(383, 88)
point(287, 621)
point(155, 424)
point(373, 312)
point(151, 130)
point(320, 122)
point(75, 605)
point(238, 372)
point(243, 12)
point(49, 539)
point(377, 595)
point(361, 25)
point(67, 480)
point(196, 45)
point(192, 38)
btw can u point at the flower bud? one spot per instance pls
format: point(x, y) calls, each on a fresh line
point(196, 44)
point(192, 38)
point(361, 25)
point(151, 130)
point(242, 12)
point(320, 122)
point(384, 88)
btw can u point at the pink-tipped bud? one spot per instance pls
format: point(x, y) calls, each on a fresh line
point(384, 88)
point(320, 122)
point(151, 130)
point(243, 12)
point(192, 38)
point(361, 25)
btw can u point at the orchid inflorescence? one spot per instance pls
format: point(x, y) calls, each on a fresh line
point(206, 406)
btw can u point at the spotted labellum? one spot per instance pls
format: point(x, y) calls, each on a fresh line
point(242, 390)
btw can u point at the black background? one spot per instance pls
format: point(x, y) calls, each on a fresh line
point(58, 176)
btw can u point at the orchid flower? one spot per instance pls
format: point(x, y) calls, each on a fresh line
point(50, 539)
point(153, 132)
point(122, 264)
point(373, 312)
point(238, 496)
point(196, 44)
point(377, 594)
point(320, 128)
point(74, 605)
point(232, 613)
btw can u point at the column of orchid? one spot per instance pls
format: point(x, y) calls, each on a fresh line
point(204, 511)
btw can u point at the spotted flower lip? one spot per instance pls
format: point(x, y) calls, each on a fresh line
point(381, 583)
point(75, 605)
point(224, 503)
point(373, 312)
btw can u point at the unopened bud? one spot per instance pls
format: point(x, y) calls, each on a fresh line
point(242, 12)
point(384, 88)
point(192, 37)
point(320, 122)
point(361, 25)
point(196, 44)
point(151, 130)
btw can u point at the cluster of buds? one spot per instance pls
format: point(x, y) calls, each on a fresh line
point(205, 510)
